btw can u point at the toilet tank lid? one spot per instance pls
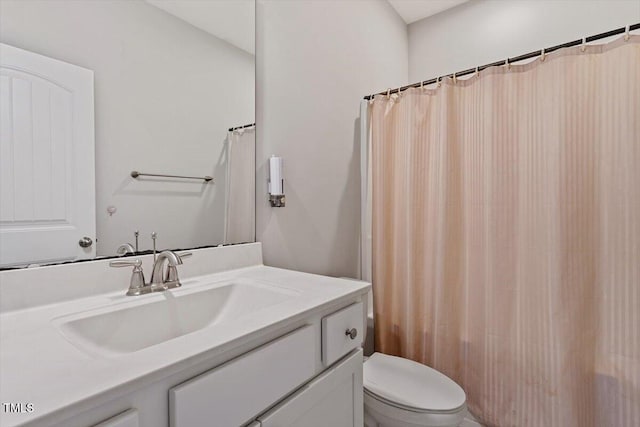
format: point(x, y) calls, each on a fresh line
point(411, 384)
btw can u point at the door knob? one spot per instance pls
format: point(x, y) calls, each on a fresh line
point(85, 242)
point(352, 333)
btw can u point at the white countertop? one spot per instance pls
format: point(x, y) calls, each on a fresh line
point(38, 365)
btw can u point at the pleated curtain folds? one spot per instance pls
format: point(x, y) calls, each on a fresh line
point(506, 235)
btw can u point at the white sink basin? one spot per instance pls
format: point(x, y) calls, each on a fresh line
point(129, 327)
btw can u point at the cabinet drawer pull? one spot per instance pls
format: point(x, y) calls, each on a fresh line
point(352, 333)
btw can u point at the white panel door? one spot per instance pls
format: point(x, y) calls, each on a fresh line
point(47, 176)
point(333, 399)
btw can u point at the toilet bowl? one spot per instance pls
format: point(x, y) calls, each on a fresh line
point(402, 393)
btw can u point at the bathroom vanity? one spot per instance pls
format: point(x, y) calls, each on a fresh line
point(239, 344)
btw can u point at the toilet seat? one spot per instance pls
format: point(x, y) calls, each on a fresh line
point(410, 408)
point(387, 415)
point(411, 386)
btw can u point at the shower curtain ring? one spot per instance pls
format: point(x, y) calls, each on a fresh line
point(477, 71)
point(627, 36)
point(388, 93)
point(583, 46)
point(439, 81)
point(506, 64)
point(543, 55)
point(455, 78)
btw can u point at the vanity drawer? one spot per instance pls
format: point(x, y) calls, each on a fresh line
point(237, 391)
point(336, 342)
point(126, 419)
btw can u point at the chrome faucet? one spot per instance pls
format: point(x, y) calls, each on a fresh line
point(170, 279)
point(158, 282)
point(126, 248)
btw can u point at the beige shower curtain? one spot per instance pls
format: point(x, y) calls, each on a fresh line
point(506, 236)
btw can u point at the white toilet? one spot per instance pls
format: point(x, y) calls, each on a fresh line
point(402, 393)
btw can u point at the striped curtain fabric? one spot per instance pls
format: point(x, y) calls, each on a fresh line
point(506, 235)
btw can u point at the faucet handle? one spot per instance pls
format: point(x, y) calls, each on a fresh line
point(133, 263)
point(136, 284)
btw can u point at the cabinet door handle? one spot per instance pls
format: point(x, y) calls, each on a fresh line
point(352, 333)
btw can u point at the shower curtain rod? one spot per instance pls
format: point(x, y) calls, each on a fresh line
point(242, 127)
point(511, 60)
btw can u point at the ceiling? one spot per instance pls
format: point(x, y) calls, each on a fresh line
point(234, 20)
point(230, 20)
point(415, 10)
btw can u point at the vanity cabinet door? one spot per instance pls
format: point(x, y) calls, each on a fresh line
point(333, 399)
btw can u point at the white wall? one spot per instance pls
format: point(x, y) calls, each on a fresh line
point(165, 95)
point(315, 61)
point(484, 31)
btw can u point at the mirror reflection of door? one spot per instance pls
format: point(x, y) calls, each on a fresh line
point(47, 186)
point(170, 79)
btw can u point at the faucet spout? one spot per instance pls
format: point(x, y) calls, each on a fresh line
point(171, 258)
point(126, 248)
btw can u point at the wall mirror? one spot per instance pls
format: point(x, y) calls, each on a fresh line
point(94, 91)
